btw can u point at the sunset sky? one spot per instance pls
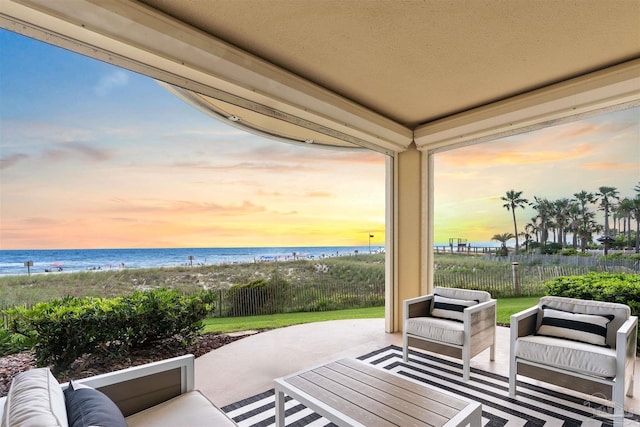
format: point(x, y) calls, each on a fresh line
point(92, 156)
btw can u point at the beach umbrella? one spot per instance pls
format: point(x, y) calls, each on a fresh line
point(56, 264)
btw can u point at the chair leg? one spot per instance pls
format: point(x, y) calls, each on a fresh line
point(618, 403)
point(512, 377)
point(466, 363)
point(405, 348)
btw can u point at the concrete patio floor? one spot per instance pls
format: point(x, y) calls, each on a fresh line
point(248, 366)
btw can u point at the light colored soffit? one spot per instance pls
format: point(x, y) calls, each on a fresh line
point(612, 89)
point(136, 37)
point(264, 122)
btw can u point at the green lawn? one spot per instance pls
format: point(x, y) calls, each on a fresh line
point(506, 307)
point(271, 321)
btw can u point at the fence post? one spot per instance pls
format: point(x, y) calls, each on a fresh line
point(516, 278)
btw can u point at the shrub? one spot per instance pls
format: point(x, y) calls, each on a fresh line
point(260, 296)
point(550, 248)
point(11, 343)
point(569, 252)
point(70, 327)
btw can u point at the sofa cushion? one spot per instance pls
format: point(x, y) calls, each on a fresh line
point(450, 308)
point(35, 399)
point(568, 355)
point(90, 407)
point(588, 328)
point(188, 409)
point(433, 328)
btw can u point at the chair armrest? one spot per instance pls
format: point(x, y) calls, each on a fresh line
point(524, 322)
point(416, 307)
point(481, 316)
point(627, 340)
point(141, 387)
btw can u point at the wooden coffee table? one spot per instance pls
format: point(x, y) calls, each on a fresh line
point(352, 393)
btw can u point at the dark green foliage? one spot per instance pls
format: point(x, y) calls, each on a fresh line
point(550, 248)
point(14, 343)
point(70, 327)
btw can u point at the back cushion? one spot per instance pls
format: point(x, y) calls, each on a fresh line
point(450, 308)
point(457, 293)
point(587, 328)
point(35, 399)
point(621, 312)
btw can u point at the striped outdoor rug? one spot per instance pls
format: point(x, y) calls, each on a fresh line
point(534, 406)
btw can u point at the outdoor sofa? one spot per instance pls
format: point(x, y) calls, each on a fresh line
point(155, 394)
point(583, 345)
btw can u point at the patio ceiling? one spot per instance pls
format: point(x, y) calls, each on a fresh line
point(356, 73)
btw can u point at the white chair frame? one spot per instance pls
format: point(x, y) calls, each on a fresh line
point(525, 322)
point(479, 332)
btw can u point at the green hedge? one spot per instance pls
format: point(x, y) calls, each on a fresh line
point(70, 327)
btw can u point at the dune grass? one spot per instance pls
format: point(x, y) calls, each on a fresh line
point(506, 307)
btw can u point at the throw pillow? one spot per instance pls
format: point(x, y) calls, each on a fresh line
point(87, 406)
point(35, 399)
point(450, 308)
point(587, 328)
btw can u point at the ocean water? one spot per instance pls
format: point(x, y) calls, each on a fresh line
point(12, 262)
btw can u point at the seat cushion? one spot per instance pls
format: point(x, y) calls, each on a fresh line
point(569, 355)
point(188, 409)
point(436, 329)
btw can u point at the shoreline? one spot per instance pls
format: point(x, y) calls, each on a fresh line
point(14, 262)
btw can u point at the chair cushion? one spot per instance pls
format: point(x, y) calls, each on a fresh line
point(188, 409)
point(588, 328)
point(436, 329)
point(450, 308)
point(568, 355)
point(87, 406)
point(35, 399)
point(621, 311)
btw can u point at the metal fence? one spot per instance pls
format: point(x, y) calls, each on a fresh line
point(290, 298)
point(520, 280)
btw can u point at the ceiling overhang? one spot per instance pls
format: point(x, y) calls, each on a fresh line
point(133, 36)
point(607, 90)
point(247, 91)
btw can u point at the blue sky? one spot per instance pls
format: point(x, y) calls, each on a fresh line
point(92, 156)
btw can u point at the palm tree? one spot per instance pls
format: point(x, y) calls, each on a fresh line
point(543, 206)
point(561, 214)
point(503, 239)
point(606, 194)
point(585, 217)
point(624, 212)
point(513, 201)
point(574, 222)
point(532, 228)
point(635, 211)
